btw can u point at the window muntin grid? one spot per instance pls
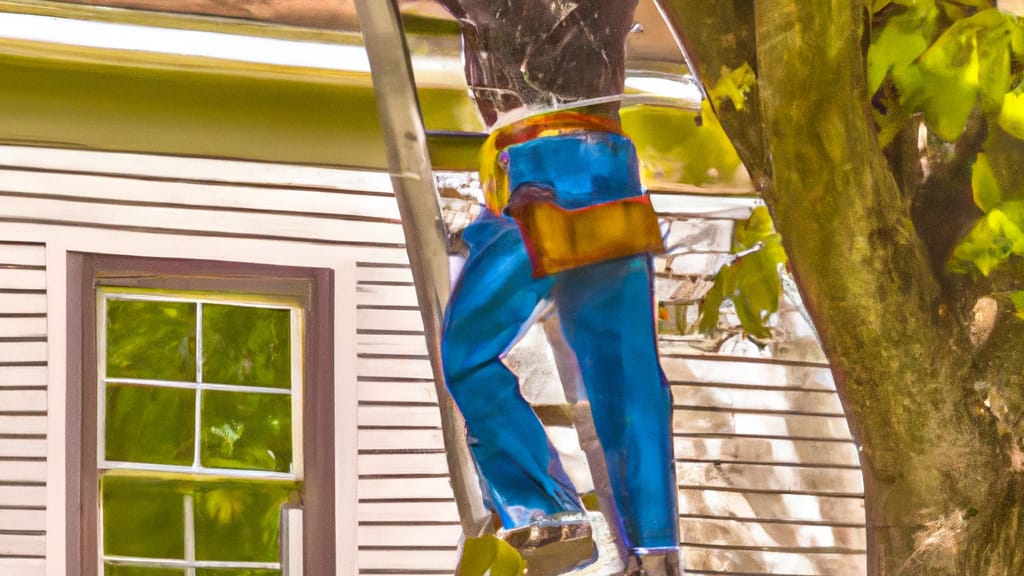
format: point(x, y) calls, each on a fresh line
point(220, 488)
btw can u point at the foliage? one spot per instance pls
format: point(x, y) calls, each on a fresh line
point(680, 146)
point(999, 234)
point(489, 555)
point(947, 62)
point(234, 520)
point(734, 86)
point(870, 228)
point(1017, 298)
point(150, 419)
point(751, 280)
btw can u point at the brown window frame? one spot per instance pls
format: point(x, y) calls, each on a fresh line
point(313, 288)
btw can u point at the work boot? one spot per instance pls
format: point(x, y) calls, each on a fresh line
point(554, 546)
point(654, 562)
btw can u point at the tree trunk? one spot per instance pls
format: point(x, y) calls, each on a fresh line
point(941, 494)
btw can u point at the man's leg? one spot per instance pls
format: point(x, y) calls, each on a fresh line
point(495, 297)
point(606, 314)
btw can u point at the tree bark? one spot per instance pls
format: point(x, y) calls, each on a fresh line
point(941, 495)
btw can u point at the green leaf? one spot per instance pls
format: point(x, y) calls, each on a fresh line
point(992, 240)
point(724, 284)
point(756, 229)
point(758, 287)
point(490, 555)
point(752, 280)
point(902, 39)
point(1011, 116)
point(733, 85)
point(1016, 27)
point(1018, 303)
point(943, 83)
point(994, 38)
point(984, 185)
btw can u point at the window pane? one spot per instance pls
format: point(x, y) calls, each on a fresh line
point(152, 340)
point(247, 431)
point(142, 518)
point(150, 424)
point(112, 570)
point(245, 345)
point(239, 521)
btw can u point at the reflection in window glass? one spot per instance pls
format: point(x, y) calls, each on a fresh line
point(150, 424)
point(142, 518)
point(246, 345)
point(197, 451)
point(247, 431)
point(239, 523)
point(151, 340)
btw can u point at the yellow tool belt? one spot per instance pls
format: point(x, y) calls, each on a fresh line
point(557, 238)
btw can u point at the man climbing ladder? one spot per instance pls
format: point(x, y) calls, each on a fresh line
point(566, 221)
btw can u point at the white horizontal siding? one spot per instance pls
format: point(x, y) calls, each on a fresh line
point(757, 425)
point(22, 545)
point(22, 520)
point(22, 400)
point(23, 420)
point(401, 562)
point(19, 254)
point(22, 279)
point(210, 221)
point(719, 397)
point(785, 536)
point(385, 439)
point(23, 471)
point(147, 167)
point(21, 351)
point(389, 320)
point(22, 447)
point(391, 343)
point(768, 475)
point(343, 204)
point(399, 416)
point(23, 326)
point(726, 448)
point(711, 560)
point(22, 376)
point(20, 424)
point(755, 373)
point(20, 496)
point(437, 536)
point(403, 464)
point(368, 272)
point(22, 566)
point(704, 502)
point(23, 302)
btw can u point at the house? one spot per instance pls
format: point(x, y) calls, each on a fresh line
point(208, 316)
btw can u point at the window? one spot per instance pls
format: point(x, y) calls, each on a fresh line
point(205, 420)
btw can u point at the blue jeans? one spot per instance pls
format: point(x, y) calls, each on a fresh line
point(606, 314)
